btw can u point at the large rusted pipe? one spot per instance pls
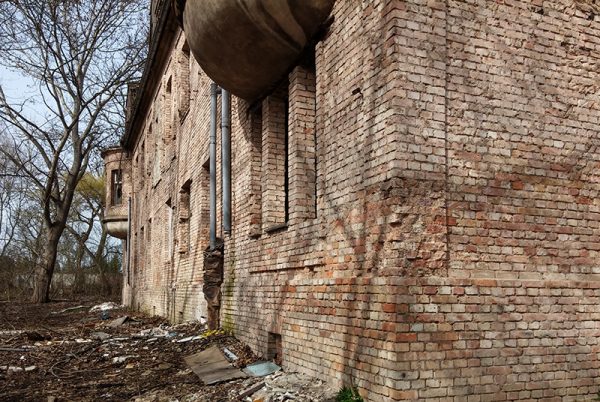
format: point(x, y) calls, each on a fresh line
point(247, 46)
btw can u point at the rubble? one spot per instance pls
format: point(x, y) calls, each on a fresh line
point(85, 359)
point(122, 359)
point(189, 338)
point(157, 332)
point(229, 355)
point(12, 332)
point(102, 336)
point(105, 307)
point(117, 322)
point(281, 387)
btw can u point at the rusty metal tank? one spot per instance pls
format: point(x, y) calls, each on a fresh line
point(246, 46)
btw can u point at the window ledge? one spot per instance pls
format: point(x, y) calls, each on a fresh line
point(277, 227)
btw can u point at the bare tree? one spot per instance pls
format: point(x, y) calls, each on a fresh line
point(86, 226)
point(81, 54)
point(12, 198)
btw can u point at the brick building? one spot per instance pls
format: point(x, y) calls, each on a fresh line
point(414, 203)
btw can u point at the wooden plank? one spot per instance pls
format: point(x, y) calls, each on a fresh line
point(211, 366)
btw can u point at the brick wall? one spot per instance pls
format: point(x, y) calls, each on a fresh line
point(443, 223)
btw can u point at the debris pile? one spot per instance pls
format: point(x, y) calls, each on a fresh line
point(66, 352)
point(281, 387)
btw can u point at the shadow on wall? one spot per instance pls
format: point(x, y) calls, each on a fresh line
point(384, 241)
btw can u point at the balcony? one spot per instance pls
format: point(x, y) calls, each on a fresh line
point(117, 165)
point(248, 46)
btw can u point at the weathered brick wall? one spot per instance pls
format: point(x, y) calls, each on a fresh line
point(170, 224)
point(442, 228)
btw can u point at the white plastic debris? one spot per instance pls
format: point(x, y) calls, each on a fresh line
point(11, 332)
point(121, 359)
point(105, 306)
point(229, 355)
point(187, 339)
point(14, 369)
point(157, 332)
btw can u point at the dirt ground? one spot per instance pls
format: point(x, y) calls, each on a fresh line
point(48, 353)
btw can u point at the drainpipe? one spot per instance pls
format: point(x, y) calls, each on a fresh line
point(128, 241)
point(226, 158)
point(212, 151)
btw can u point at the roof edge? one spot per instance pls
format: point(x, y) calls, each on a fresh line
point(165, 32)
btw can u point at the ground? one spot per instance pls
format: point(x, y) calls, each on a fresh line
point(53, 352)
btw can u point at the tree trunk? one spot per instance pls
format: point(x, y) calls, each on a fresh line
point(45, 270)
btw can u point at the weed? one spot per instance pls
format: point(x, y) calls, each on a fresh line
point(347, 394)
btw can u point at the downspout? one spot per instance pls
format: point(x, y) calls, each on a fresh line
point(212, 151)
point(129, 241)
point(226, 158)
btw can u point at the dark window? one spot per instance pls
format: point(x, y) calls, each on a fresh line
point(286, 158)
point(275, 169)
point(116, 187)
point(184, 74)
point(185, 214)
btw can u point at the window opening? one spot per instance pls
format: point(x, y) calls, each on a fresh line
point(116, 187)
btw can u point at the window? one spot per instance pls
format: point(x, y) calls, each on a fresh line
point(167, 145)
point(255, 200)
point(170, 236)
point(183, 105)
point(141, 246)
point(302, 140)
point(116, 187)
point(274, 182)
point(204, 203)
point(155, 163)
point(185, 214)
point(142, 164)
point(148, 249)
point(288, 168)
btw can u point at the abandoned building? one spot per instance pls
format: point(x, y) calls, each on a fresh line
point(402, 195)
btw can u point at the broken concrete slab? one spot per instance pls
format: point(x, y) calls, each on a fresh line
point(293, 387)
point(211, 366)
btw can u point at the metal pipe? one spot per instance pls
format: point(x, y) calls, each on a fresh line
point(212, 151)
point(226, 158)
point(128, 245)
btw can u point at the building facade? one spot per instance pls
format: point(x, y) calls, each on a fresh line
point(415, 203)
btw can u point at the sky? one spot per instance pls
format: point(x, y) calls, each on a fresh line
point(18, 88)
